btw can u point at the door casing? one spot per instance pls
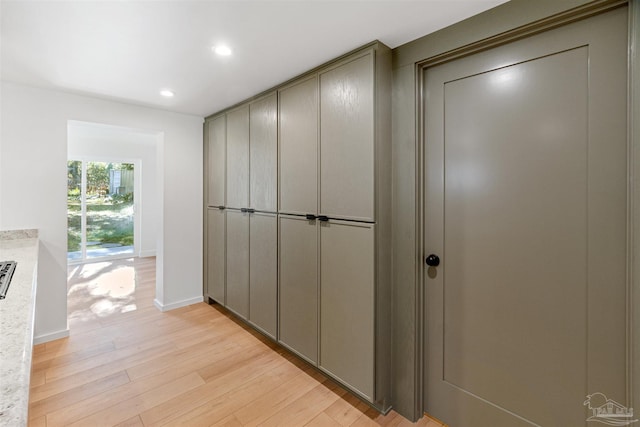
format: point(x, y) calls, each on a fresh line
point(633, 187)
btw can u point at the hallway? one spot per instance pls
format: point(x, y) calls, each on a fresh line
point(128, 364)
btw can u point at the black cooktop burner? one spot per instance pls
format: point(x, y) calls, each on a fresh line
point(6, 272)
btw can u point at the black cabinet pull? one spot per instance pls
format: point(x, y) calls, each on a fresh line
point(323, 218)
point(311, 217)
point(250, 210)
point(243, 210)
point(221, 208)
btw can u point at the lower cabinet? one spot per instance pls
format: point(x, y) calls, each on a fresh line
point(263, 272)
point(299, 286)
point(307, 283)
point(238, 262)
point(216, 248)
point(252, 268)
point(347, 303)
point(327, 284)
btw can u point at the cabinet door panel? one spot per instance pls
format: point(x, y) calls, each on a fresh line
point(238, 158)
point(263, 148)
point(299, 286)
point(216, 163)
point(347, 140)
point(299, 148)
point(216, 254)
point(238, 262)
point(347, 303)
point(263, 272)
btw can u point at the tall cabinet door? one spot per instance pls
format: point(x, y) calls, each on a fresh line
point(299, 147)
point(299, 286)
point(263, 272)
point(263, 149)
point(347, 140)
point(238, 158)
point(216, 170)
point(347, 309)
point(216, 254)
point(238, 262)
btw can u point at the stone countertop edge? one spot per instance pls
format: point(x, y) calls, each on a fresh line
point(17, 313)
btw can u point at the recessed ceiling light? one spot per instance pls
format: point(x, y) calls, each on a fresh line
point(166, 93)
point(222, 50)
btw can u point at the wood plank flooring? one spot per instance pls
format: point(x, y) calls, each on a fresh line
point(128, 364)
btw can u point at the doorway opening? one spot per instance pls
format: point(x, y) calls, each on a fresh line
point(113, 222)
point(101, 213)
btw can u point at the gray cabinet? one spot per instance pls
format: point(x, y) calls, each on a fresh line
point(263, 154)
point(237, 175)
point(263, 272)
point(318, 146)
point(216, 248)
point(216, 161)
point(299, 147)
point(237, 251)
point(347, 139)
point(298, 299)
point(347, 295)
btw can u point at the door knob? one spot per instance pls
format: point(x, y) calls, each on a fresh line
point(433, 260)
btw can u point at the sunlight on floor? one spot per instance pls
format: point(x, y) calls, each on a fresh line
point(98, 290)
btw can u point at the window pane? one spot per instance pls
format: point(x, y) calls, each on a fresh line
point(109, 209)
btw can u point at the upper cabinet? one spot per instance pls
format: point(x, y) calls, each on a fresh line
point(237, 175)
point(216, 161)
point(347, 144)
point(299, 147)
point(263, 158)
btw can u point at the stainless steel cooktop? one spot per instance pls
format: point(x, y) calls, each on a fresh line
point(6, 273)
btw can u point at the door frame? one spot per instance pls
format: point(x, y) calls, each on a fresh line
point(633, 186)
point(137, 194)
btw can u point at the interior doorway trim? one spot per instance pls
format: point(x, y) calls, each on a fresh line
point(634, 197)
point(578, 13)
point(633, 223)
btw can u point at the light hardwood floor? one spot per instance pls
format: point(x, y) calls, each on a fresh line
point(128, 364)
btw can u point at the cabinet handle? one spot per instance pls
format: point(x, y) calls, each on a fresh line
point(250, 210)
point(323, 218)
point(243, 210)
point(311, 217)
point(221, 208)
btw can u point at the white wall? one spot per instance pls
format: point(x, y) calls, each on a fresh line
point(33, 190)
point(88, 141)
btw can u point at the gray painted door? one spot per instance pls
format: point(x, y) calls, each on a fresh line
point(525, 204)
point(217, 161)
point(216, 254)
point(263, 272)
point(347, 286)
point(238, 157)
point(298, 294)
point(299, 148)
point(347, 140)
point(238, 262)
point(263, 154)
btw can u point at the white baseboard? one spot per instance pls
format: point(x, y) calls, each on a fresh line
point(174, 305)
point(145, 254)
point(50, 337)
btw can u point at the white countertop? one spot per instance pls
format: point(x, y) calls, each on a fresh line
point(16, 324)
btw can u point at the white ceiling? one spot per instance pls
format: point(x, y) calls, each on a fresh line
point(130, 50)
